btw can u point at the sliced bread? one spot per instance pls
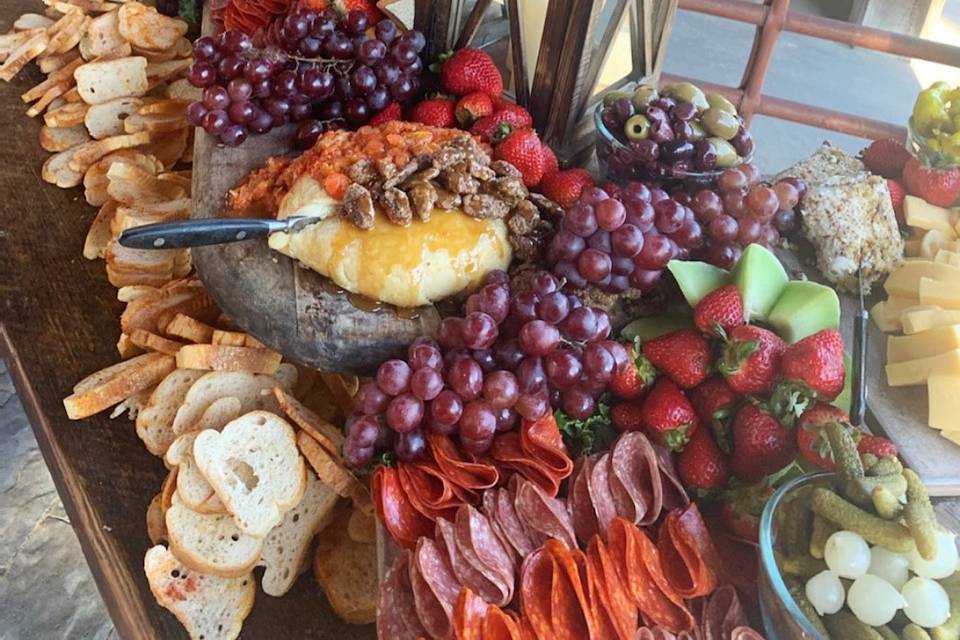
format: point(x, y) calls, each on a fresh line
point(255, 469)
point(329, 468)
point(192, 488)
point(253, 390)
point(218, 414)
point(116, 383)
point(209, 607)
point(327, 435)
point(221, 357)
point(156, 527)
point(286, 548)
point(210, 543)
point(347, 571)
point(155, 421)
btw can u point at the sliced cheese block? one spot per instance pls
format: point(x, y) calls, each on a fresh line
point(922, 214)
point(923, 345)
point(886, 313)
point(910, 372)
point(943, 393)
point(925, 317)
point(905, 281)
point(941, 293)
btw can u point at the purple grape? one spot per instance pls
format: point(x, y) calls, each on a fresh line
point(393, 377)
point(388, 72)
point(356, 457)
point(338, 46)
point(553, 307)
point(627, 241)
point(355, 22)
point(669, 215)
point(568, 272)
point(215, 122)
point(295, 27)
point(331, 110)
point(205, 48)
point(363, 80)
point(202, 74)
point(594, 265)
point(364, 431)
point(410, 446)
point(195, 113)
point(322, 27)
point(300, 111)
point(405, 413)
point(581, 220)
point(506, 419)
point(215, 98)
point(403, 52)
point(598, 362)
point(386, 31)
point(415, 39)
point(310, 47)
point(479, 330)
point(426, 383)
point(466, 378)
point(538, 338)
point(530, 375)
point(233, 136)
point(285, 84)
point(307, 134)
point(600, 241)
point(500, 389)
point(424, 354)
point(563, 368)
point(580, 324)
point(356, 112)
point(241, 113)
point(230, 67)
point(446, 408)
point(402, 89)
point(370, 399)
point(578, 404)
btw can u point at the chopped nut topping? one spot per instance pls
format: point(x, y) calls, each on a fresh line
point(396, 205)
point(423, 197)
point(483, 205)
point(358, 206)
point(364, 173)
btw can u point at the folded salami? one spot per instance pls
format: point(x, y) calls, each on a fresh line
point(687, 554)
point(397, 617)
point(435, 588)
point(480, 547)
point(460, 468)
point(403, 522)
point(542, 516)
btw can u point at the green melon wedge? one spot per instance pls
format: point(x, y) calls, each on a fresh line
point(655, 326)
point(803, 309)
point(760, 278)
point(697, 279)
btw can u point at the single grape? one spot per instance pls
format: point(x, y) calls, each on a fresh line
point(787, 194)
point(569, 273)
point(655, 254)
point(785, 221)
point(479, 330)
point(751, 171)
point(446, 408)
point(356, 112)
point(202, 74)
point(690, 235)
point(610, 214)
point(598, 362)
point(354, 456)
point(508, 353)
point(310, 47)
point(370, 399)
point(415, 39)
point(465, 377)
point(386, 31)
point(425, 353)
point(530, 375)
point(641, 214)
point(538, 338)
point(403, 52)
point(216, 98)
point(316, 83)
point(723, 228)
point(364, 431)
point(388, 72)
point(295, 27)
point(580, 324)
point(478, 421)
point(524, 306)
point(494, 300)
point(645, 280)
point(626, 241)
point(241, 113)
point(621, 266)
point(669, 215)
point(581, 220)
point(195, 113)
point(355, 21)
point(594, 265)
point(707, 205)
point(735, 204)
point(233, 136)
point(405, 412)
point(230, 67)
point(331, 110)
point(364, 80)
point(393, 377)
point(262, 89)
point(426, 383)
point(257, 69)
point(450, 334)
point(563, 368)
point(205, 48)
point(733, 180)
point(285, 84)
point(769, 237)
point(476, 447)
point(553, 307)
point(215, 122)
point(723, 254)
point(762, 202)
point(506, 419)
point(262, 121)
point(410, 446)
point(749, 231)
point(322, 26)
point(578, 404)
point(500, 389)
point(533, 406)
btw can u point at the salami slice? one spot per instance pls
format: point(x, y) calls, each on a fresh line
point(428, 491)
point(404, 523)
point(396, 610)
point(435, 588)
point(598, 486)
point(639, 568)
point(572, 616)
point(745, 633)
point(543, 514)
point(510, 523)
point(501, 625)
point(654, 633)
point(722, 613)
point(469, 612)
point(635, 481)
point(674, 495)
point(480, 546)
point(464, 570)
point(537, 574)
point(581, 508)
point(508, 454)
point(489, 507)
point(542, 441)
point(432, 616)
point(689, 559)
point(473, 476)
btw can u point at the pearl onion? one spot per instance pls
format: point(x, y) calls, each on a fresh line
point(873, 600)
point(825, 592)
point(889, 565)
point(927, 604)
point(847, 554)
point(944, 563)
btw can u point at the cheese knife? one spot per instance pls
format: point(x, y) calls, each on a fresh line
point(199, 233)
point(858, 404)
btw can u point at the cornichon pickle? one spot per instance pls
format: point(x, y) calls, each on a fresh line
point(860, 490)
point(795, 535)
point(844, 450)
point(822, 529)
point(885, 503)
point(914, 632)
point(919, 515)
point(802, 565)
point(845, 625)
point(892, 535)
point(886, 466)
point(886, 633)
point(868, 460)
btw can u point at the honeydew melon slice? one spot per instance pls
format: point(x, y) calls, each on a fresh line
point(803, 309)
point(697, 279)
point(760, 278)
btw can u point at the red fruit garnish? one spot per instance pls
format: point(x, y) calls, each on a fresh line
point(392, 112)
point(751, 358)
point(721, 308)
point(668, 416)
point(701, 465)
point(878, 446)
point(897, 194)
point(682, 355)
point(470, 70)
point(523, 150)
point(939, 187)
point(761, 445)
point(626, 416)
point(472, 107)
point(436, 112)
point(714, 402)
point(550, 163)
point(633, 377)
point(886, 157)
point(565, 187)
point(812, 439)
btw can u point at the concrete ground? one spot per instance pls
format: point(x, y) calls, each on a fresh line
point(45, 587)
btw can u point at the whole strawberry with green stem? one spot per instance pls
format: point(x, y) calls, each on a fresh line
point(472, 107)
point(719, 311)
point(435, 112)
point(714, 401)
point(627, 416)
point(470, 70)
point(750, 359)
point(812, 369)
point(812, 441)
point(761, 445)
point(565, 187)
point(668, 416)
point(523, 150)
point(940, 187)
point(633, 376)
point(886, 157)
point(701, 465)
point(682, 355)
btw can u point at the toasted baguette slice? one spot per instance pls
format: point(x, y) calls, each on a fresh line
point(168, 489)
point(146, 28)
point(255, 469)
point(209, 607)
point(126, 277)
point(228, 338)
point(187, 297)
point(287, 546)
point(347, 572)
point(99, 236)
point(216, 357)
point(220, 412)
point(342, 389)
point(153, 342)
point(190, 329)
point(55, 139)
point(106, 119)
point(127, 349)
point(329, 468)
point(103, 35)
point(210, 543)
point(362, 526)
point(117, 383)
point(327, 435)
point(193, 490)
point(155, 421)
point(253, 391)
point(156, 527)
point(99, 82)
point(132, 405)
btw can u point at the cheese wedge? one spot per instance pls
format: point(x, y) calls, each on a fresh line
point(924, 318)
point(947, 257)
point(941, 293)
point(886, 313)
point(923, 345)
point(905, 281)
point(952, 436)
point(920, 213)
point(910, 372)
point(933, 241)
point(943, 393)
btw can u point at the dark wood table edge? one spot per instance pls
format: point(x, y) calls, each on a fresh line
point(118, 589)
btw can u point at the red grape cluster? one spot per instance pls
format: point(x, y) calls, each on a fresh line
point(511, 356)
point(743, 210)
point(321, 70)
point(624, 241)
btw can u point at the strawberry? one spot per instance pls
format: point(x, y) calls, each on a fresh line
point(751, 358)
point(939, 187)
point(493, 129)
point(897, 195)
point(472, 107)
point(633, 376)
point(668, 416)
point(880, 447)
point(816, 362)
point(550, 163)
point(436, 112)
point(523, 150)
point(470, 70)
point(612, 189)
point(626, 416)
point(682, 355)
point(391, 112)
point(721, 308)
point(514, 115)
point(812, 440)
point(886, 157)
point(742, 507)
point(565, 187)
point(714, 401)
point(761, 445)
point(701, 465)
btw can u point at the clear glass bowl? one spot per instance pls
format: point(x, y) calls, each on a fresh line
point(618, 164)
point(782, 618)
point(919, 148)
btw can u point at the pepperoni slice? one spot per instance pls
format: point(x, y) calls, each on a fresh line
point(621, 606)
point(501, 625)
point(543, 514)
point(635, 481)
point(429, 491)
point(581, 508)
point(510, 523)
point(639, 568)
point(468, 616)
point(570, 607)
point(689, 559)
point(541, 440)
point(601, 607)
point(508, 454)
point(473, 476)
point(598, 486)
point(537, 576)
point(401, 520)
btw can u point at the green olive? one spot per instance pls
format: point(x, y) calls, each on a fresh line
point(613, 96)
point(720, 123)
point(726, 155)
point(696, 131)
point(643, 96)
point(717, 101)
point(688, 93)
point(637, 128)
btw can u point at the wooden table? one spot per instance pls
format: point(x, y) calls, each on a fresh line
point(59, 322)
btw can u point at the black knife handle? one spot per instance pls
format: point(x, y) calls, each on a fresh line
point(198, 233)
point(858, 404)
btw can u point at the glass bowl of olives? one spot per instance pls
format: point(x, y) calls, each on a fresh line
point(676, 136)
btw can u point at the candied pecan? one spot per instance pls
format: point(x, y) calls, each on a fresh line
point(400, 176)
point(480, 171)
point(363, 172)
point(523, 217)
point(545, 204)
point(358, 206)
point(446, 199)
point(458, 180)
point(524, 248)
point(386, 168)
point(396, 205)
point(504, 168)
point(510, 189)
point(423, 196)
point(484, 205)
point(447, 156)
point(423, 175)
